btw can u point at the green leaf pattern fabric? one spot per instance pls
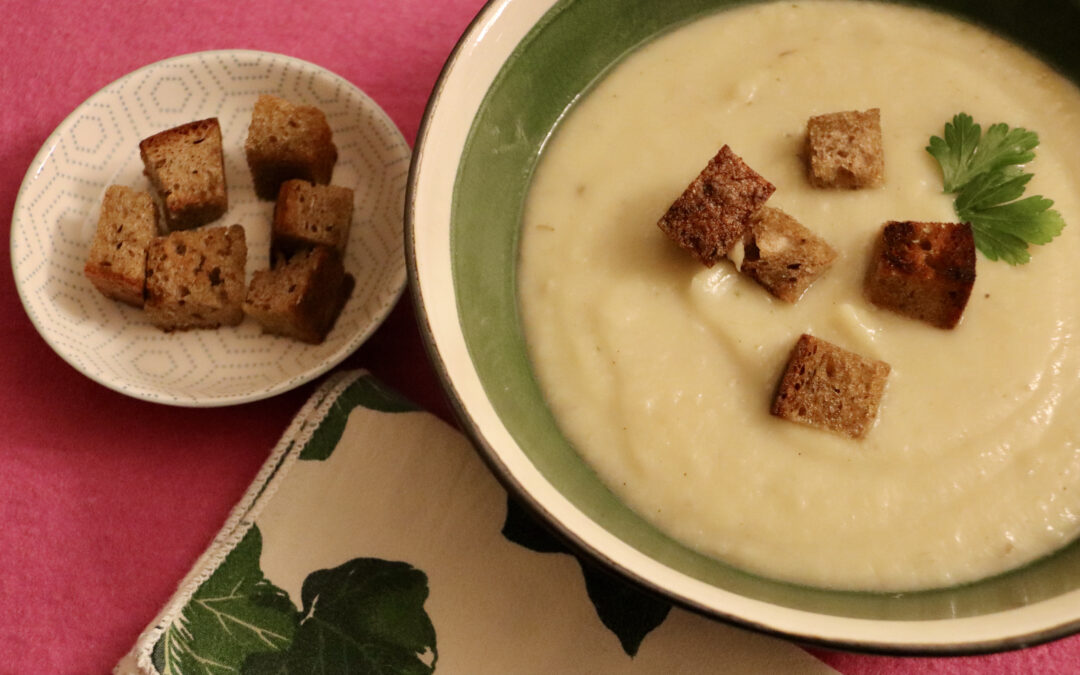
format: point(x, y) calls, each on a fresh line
point(366, 616)
point(375, 541)
point(366, 392)
point(235, 613)
point(627, 612)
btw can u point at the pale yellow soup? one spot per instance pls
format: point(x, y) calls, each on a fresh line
point(661, 371)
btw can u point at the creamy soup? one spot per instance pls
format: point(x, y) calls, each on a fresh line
point(661, 371)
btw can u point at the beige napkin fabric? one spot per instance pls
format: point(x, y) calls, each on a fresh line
point(373, 542)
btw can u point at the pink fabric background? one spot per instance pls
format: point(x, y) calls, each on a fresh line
point(106, 501)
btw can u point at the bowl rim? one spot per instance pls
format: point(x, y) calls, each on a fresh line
point(809, 633)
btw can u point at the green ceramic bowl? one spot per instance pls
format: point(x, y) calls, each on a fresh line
point(516, 71)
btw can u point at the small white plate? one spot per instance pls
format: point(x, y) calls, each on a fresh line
point(57, 208)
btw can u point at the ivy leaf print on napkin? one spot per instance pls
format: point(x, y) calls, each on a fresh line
point(366, 616)
point(626, 611)
point(365, 391)
point(233, 614)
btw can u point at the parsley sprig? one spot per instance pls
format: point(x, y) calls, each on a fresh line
point(984, 172)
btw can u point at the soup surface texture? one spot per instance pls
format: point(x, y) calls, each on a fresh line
point(661, 371)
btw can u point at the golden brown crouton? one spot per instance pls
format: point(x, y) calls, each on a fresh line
point(186, 167)
point(288, 141)
point(923, 270)
point(714, 212)
point(116, 264)
point(782, 255)
point(306, 215)
point(829, 387)
point(845, 149)
point(300, 297)
point(195, 278)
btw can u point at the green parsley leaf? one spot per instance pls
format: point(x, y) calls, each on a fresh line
point(983, 171)
point(965, 152)
point(1001, 245)
point(1031, 219)
point(955, 151)
point(991, 189)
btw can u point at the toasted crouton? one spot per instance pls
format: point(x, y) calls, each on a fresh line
point(302, 296)
point(829, 387)
point(186, 167)
point(782, 255)
point(116, 264)
point(307, 215)
point(287, 141)
point(923, 270)
point(195, 278)
point(714, 211)
point(845, 149)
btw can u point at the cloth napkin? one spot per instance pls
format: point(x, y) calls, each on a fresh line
point(374, 540)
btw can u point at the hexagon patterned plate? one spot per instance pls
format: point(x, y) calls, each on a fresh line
point(57, 208)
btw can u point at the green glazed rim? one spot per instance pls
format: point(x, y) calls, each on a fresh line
point(558, 60)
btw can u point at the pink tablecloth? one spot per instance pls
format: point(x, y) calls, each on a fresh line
point(106, 501)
